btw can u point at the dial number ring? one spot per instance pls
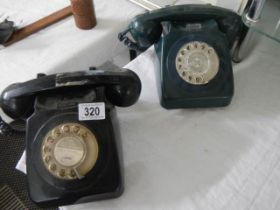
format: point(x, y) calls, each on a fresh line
point(197, 63)
point(69, 151)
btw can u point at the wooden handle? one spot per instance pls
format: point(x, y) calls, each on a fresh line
point(39, 25)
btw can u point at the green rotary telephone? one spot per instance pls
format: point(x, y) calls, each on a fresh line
point(193, 44)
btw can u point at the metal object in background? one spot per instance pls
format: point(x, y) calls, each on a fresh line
point(248, 38)
point(254, 9)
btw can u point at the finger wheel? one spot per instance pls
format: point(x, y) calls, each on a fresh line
point(197, 63)
point(69, 151)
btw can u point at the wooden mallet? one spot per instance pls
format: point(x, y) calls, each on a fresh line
point(10, 35)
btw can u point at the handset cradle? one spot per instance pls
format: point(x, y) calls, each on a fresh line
point(146, 28)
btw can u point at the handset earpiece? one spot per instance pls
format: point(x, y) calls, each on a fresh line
point(126, 92)
point(15, 108)
point(144, 33)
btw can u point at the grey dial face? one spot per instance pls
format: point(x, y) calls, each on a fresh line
point(69, 151)
point(197, 63)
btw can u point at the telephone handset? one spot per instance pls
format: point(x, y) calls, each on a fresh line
point(72, 142)
point(121, 89)
point(193, 44)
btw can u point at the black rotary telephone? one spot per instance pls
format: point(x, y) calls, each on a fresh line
point(193, 45)
point(72, 141)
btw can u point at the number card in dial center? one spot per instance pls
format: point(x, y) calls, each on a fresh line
point(92, 111)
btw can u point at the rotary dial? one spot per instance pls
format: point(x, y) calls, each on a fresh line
point(197, 63)
point(69, 151)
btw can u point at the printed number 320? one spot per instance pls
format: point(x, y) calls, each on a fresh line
point(92, 111)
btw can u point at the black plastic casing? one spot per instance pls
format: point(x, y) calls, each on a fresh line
point(51, 100)
point(122, 88)
point(104, 181)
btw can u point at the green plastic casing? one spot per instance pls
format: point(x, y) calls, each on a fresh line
point(174, 92)
point(172, 27)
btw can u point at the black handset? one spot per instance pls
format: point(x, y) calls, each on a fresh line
point(193, 45)
point(72, 138)
point(122, 88)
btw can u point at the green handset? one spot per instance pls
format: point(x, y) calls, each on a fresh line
point(193, 45)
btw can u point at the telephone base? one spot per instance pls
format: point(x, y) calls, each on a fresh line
point(176, 90)
point(103, 181)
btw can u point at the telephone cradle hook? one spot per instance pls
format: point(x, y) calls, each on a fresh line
point(128, 42)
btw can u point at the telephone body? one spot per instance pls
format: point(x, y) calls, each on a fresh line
point(69, 160)
point(193, 44)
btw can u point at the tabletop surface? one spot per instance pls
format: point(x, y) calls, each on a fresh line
point(216, 159)
point(211, 159)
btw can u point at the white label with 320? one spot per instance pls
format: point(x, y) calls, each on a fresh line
point(92, 111)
